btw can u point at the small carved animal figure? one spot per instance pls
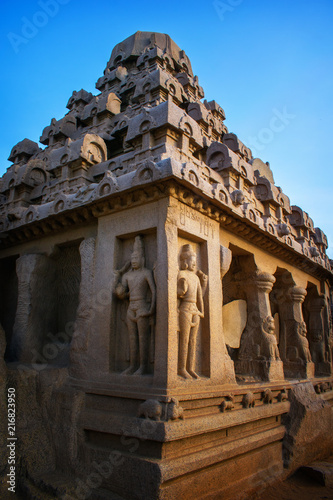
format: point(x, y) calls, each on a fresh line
point(283, 395)
point(150, 409)
point(317, 388)
point(317, 346)
point(227, 403)
point(174, 411)
point(325, 387)
point(267, 396)
point(302, 342)
point(248, 400)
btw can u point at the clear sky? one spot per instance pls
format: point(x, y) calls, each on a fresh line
point(268, 63)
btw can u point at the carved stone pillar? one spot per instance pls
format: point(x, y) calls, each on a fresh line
point(86, 310)
point(35, 308)
point(328, 331)
point(294, 346)
point(316, 335)
point(258, 353)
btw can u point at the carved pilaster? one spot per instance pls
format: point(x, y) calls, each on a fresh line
point(258, 353)
point(316, 336)
point(294, 346)
point(35, 307)
point(328, 331)
point(86, 310)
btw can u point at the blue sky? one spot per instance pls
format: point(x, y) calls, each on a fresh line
point(267, 63)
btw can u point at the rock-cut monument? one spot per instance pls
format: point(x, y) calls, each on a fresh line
point(165, 311)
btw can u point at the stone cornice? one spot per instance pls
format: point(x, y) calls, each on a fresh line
point(149, 183)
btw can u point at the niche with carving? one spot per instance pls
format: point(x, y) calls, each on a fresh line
point(316, 314)
point(286, 300)
point(279, 306)
point(257, 356)
point(193, 317)
point(132, 340)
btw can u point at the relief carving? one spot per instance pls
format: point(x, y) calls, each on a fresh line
point(227, 403)
point(316, 330)
point(191, 287)
point(317, 346)
point(267, 397)
point(136, 283)
point(294, 346)
point(151, 409)
point(318, 333)
point(248, 400)
point(174, 410)
point(269, 343)
point(302, 342)
point(283, 395)
point(323, 387)
point(259, 353)
point(155, 410)
point(266, 349)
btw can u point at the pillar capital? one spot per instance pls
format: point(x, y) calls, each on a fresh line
point(259, 353)
point(317, 304)
point(263, 281)
point(297, 294)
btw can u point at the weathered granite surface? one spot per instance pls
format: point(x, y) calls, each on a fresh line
point(126, 243)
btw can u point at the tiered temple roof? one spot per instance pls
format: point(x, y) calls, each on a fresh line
point(149, 122)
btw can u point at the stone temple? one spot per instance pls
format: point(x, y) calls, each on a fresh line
point(165, 311)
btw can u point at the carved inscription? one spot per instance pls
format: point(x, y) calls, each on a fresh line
point(205, 227)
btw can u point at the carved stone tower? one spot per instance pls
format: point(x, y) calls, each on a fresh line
point(125, 246)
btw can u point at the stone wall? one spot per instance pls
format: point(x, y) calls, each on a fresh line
point(165, 310)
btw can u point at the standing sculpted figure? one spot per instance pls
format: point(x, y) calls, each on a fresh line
point(303, 343)
point(269, 342)
point(191, 287)
point(134, 282)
